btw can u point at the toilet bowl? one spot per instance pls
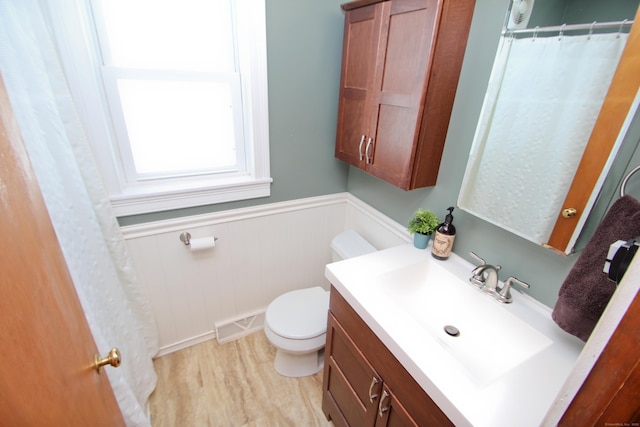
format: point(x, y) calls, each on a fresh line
point(296, 322)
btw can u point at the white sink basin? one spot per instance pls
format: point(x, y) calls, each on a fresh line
point(491, 340)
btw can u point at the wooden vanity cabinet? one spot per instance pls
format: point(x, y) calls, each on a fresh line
point(364, 384)
point(401, 62)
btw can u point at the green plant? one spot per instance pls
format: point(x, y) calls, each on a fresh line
point(424, 222)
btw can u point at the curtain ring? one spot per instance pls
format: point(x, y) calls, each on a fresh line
point(561, 31)
point(591, 29)
point(620, 29)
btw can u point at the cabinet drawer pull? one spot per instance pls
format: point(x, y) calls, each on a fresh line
point(360, 146)
point(372, 396)
point(366, 151)
point(381, 409)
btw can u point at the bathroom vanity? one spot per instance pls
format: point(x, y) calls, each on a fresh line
point(364, 384)
point(411, 342)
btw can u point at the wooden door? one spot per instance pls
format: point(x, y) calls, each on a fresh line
point(624, 87)
point(362, 29)
point(46, 378)
point(610, 395)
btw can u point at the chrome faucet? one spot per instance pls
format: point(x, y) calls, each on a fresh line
point(485, 276)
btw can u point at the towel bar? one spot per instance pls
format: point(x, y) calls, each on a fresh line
point(626, 178)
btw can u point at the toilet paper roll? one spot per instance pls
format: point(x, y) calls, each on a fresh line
point(202, 243)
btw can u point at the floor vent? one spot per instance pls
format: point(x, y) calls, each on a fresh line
point(230, 330)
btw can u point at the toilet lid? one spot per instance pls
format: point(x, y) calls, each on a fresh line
point(300, 314)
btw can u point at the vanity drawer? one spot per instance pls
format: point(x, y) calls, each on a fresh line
point(354, 356)
point(350, 379)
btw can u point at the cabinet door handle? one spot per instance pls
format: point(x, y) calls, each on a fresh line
point(372, 396)
point(360, 146)
point(381, 409)
point(366, 151)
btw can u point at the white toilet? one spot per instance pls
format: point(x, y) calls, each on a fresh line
point(296, 322)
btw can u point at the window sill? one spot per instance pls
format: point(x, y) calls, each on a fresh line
point(148, 199)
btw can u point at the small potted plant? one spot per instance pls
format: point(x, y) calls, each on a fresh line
point(422, 225)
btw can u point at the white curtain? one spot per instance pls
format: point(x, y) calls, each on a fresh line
point(96, 254)
point(543, 98)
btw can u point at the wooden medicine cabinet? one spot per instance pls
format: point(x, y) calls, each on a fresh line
point(401, 62)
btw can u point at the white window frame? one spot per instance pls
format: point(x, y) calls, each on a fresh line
point(76, 43)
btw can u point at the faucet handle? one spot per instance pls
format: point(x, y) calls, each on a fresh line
point(505, 292)
point(477, 278)
point(479, 274)
point(482, 261)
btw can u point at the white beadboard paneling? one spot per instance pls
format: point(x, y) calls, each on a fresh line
point(261, 253)
point(244, 291)
point(380, 230)
point(184, 282)
point(145, 258)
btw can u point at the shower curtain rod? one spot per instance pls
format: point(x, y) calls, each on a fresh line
point(572, 27)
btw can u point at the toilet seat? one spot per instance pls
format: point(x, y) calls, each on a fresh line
point(300, 314)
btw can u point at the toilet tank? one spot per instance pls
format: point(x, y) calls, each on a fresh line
point(349, 244)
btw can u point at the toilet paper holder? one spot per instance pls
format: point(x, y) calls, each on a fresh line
point(186, 238)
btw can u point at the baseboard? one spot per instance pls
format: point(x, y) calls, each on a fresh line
point(181, 345)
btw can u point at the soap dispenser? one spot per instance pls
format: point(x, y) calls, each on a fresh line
point(444, 237)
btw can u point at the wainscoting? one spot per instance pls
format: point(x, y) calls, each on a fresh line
point(261, 252)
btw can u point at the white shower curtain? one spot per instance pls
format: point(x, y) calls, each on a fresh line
point(114, 303)
point(543, 98)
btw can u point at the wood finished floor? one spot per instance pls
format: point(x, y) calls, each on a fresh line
point(232, 384)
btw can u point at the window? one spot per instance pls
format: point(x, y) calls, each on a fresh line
point(182, 87)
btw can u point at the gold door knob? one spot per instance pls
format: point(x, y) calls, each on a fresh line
point(113, 358)
point(569, 213)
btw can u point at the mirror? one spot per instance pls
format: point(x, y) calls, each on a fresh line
point(543, 144)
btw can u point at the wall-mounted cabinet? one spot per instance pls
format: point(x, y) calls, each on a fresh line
point(400, 67)
point(364, 384)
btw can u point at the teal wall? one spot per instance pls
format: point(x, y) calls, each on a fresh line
point(558, 12)
point(304, 52)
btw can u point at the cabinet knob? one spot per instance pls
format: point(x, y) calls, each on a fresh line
point(360, 147)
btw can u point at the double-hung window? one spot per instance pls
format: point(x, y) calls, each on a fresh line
point(182, 87)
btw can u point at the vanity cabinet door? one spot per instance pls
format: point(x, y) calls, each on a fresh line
point(400, 67)
point(391, 413)
point(351, 387)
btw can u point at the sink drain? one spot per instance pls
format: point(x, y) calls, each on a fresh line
point(452, 330)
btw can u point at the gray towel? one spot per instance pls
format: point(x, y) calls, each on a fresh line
point(586, 291)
